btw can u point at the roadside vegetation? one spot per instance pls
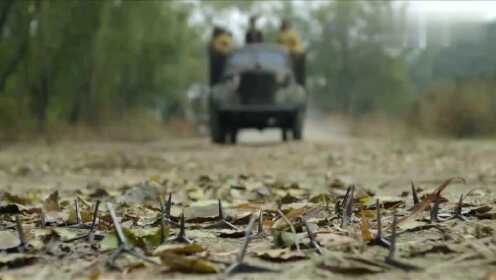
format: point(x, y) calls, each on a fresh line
point(100, 64)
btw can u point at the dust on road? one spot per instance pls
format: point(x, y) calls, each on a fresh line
point(318, 128)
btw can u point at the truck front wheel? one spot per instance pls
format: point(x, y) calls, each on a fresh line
point(297, 128)
point(217, 129)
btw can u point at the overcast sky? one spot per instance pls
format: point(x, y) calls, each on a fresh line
point(483, 10)
point(475, 9)
point(480, 10)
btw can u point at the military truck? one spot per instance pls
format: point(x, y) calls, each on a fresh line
point(258, 88)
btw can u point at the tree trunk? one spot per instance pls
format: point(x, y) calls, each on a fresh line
point(75, 114)
point(4, 13)
point(12, 65)
point(344, 74)
point(90, 100)
point(40, 102)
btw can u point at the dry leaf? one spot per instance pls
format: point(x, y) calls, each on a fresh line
point(51, 203)
point(321, 198)
point(333, 239)
point(9, 209)
point(178, 249)
point(354, 265)
point(187, 264)
point(86, 216)
point(16, 260)
point(490, 276)
point(283, 239)
point(428, 200)
point(68, 233)
point(280, 255)
point(294, 214)
point(13, 198)
point(8, 240)
point(364, 227)
point(229, 233)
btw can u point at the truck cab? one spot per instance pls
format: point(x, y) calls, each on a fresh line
point(258, 89)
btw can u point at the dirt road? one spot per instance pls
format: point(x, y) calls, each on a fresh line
point(382, 165)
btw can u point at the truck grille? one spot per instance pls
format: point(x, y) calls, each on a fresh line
point(257, 88)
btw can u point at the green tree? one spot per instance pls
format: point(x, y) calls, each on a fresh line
point(91, 61)
point(357, 57)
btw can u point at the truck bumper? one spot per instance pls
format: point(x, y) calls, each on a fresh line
point(259, 116)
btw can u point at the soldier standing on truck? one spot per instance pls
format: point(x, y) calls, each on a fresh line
point(253, 35)
point(220, 46)
point(289, 39)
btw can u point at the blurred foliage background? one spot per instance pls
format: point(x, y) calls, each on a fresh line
point(98, 63)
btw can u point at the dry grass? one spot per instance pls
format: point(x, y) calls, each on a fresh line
point(466, 110)
point(378, 125)
point(134, 128)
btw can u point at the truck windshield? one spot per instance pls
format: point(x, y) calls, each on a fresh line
point(267, 60)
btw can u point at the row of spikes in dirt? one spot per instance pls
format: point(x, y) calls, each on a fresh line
point(344, 208)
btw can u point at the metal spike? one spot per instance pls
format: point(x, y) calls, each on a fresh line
point(392, 248)
point(379, 218)
point(293, 230)
point(342, 204)
point(221, 212)
point(348, 207)
point(162, 222)
point(91, 234)
point(168, 206)
point(435, 210)
point(182, 229)
point(326, 201)
point(222, 222)
point(348, 190)
point(165, 211)
point(239, 265)
point(78, 211)
point(244, 248)
point(260, 222)
point(414, 195)
point(459, 208)
point(337, 208)
point(390, 258)
point(379, 239)
point(79, 220)
point(20, 233)
point(313, 242)
point(119, 234)
point(181, 236)
point(123, 247)
point(42, 219)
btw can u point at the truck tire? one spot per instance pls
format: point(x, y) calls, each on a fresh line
point(297, 128)
point(233, 136)
point(284, 134)
point(217, 130)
